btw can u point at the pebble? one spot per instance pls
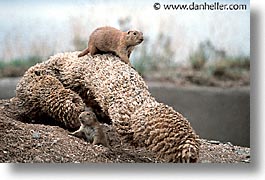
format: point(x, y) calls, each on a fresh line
point(246, 160)
point(35, 135)
point(240, 151)
point(54, 141)
point(230, 144)
point(214, 142)
point(38, 159)
point(205, 161)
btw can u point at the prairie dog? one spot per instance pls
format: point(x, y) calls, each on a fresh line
point(109, 39)
point(90, 129)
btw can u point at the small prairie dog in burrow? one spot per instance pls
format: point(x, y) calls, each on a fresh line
point(90, 129)
point(109, 39)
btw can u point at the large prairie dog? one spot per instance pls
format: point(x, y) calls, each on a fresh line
point(90, 129)
point(109, 39)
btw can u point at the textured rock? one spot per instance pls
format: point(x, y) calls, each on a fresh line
point(61, 86)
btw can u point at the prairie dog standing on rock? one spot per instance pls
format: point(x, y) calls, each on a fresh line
point(90, 129)
point(109, 39)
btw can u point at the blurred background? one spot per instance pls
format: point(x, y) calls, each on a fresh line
point(181, 48)
point(217, 43)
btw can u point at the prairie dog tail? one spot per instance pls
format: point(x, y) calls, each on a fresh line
point(86, 51)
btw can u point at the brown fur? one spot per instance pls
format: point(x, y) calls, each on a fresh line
point(109, 39)
point(90, 129)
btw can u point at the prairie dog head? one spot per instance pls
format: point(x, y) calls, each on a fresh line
point(88, 118)
point(134, 38)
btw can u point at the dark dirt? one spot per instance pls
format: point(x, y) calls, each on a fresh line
point(22, 142)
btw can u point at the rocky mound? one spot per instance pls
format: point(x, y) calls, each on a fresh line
point(31, 142)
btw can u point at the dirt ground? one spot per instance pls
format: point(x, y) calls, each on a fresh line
point(38, 143)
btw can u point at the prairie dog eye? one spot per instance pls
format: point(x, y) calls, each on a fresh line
point(134, 33)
